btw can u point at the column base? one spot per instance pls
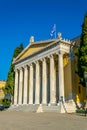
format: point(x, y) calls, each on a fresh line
point(44, 104)
point(15, 105)
point(37, 103)
point(25, 104)
point(30, 104)
point(20, 104)
point(53, 104)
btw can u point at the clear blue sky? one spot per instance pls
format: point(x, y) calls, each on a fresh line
point(20, 19)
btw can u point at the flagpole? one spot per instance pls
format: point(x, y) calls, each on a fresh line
point(55, 30)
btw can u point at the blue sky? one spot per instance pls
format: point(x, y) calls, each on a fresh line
point(20, 19)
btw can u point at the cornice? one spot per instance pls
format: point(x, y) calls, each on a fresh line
point(54, 48)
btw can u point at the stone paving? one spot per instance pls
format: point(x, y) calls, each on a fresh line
point(41, 121)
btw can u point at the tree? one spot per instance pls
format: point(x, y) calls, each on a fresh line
point(82, 51)
point(9, 87)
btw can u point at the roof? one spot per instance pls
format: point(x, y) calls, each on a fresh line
point(76, 40)
point(37, 46)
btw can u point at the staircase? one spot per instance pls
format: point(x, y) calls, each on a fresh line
point(59, 108)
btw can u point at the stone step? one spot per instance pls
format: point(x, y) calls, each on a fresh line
point(45, 108)
point(12, 108)
point(26, 108)
point(66, 107)
point(30, 108)
point(51, 109)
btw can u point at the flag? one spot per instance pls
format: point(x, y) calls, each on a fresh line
point(53, 31)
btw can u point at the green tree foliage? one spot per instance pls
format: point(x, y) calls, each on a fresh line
point(82, 51)
point(9, 88)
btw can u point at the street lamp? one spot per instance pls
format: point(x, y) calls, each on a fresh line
point(85, 77)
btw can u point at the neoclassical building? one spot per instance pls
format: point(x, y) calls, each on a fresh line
point(45, 77)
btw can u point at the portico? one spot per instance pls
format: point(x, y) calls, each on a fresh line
point(39, 77)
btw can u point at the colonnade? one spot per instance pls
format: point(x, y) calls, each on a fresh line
point(33, 84)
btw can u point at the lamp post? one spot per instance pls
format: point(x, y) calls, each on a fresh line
point(85, 77)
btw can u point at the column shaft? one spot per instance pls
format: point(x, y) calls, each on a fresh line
point(61, 76)
point(16, 88)
point(25, 84)
point(44, 82)
point(52, 81)
point(37, 91)
point(20, 86)
point(31, 85)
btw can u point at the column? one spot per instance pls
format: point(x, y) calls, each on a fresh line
point(61, 76)
point(25, 84)
point(37, 90)
point(31, 85)
point(52, 81)
point(20, 86)
point(16, 88)
point(44, 81)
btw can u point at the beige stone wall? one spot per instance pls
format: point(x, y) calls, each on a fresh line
point(67, 78)
point(79, 90)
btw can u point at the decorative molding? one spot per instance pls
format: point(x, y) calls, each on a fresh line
point(26, 66)
point(55, 48)
point(60, 52)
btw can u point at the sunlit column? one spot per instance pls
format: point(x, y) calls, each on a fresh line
point(37, 90)
point(31, 85)
point(61, 75)
point(44, 81)
point(52, 81)
point(25, 84)
point(16, 88)
point(20, 86)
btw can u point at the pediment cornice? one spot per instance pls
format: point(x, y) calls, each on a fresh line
point(52, 48)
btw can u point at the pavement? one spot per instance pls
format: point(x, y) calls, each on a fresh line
point(41, 121)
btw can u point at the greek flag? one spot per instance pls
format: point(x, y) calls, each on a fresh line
point(53, 32)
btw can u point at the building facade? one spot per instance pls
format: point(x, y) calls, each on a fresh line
point(45, 75)
point(2, 85)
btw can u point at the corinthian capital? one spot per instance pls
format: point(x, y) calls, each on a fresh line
point(60, 52)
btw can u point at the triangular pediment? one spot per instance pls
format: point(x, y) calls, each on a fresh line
point(33, 48)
